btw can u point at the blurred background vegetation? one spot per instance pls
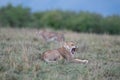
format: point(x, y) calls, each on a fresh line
point(83, 21)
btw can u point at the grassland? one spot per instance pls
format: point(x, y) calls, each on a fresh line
point(20, 51)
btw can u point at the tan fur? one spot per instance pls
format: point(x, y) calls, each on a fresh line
point(66, 52)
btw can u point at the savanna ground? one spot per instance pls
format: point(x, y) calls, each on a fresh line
point(20, 51)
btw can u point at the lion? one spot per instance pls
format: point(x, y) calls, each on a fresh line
point(49, 36)
point(65, 52)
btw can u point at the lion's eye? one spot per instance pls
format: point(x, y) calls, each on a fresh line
point(72, 44)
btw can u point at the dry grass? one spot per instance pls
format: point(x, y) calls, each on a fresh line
point(20, 51)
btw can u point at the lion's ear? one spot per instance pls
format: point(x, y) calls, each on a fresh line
point(66, 46)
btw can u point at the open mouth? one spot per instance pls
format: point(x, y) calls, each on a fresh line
point(73, 50)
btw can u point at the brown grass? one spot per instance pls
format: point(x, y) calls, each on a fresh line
point(20, 51)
